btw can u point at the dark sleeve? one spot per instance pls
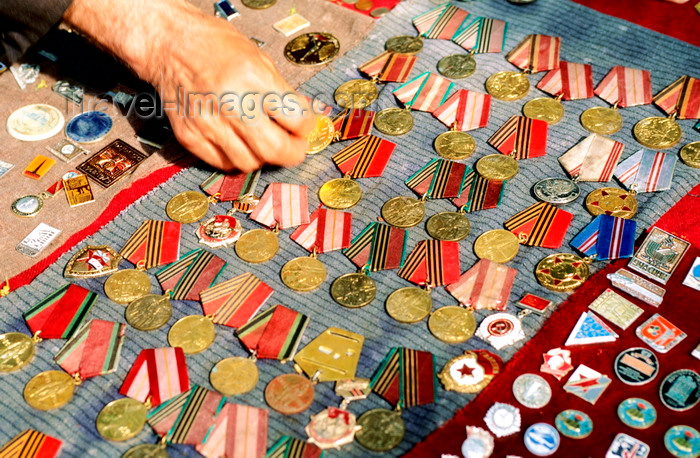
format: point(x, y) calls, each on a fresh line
point(24, 22)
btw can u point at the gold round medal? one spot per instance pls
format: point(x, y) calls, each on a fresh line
point(690, 155)
point(194, 334)
point(562, 272)
point(258, 4)
point(499, 167)
point(16, 351)
point(601, 120)
point(455, 145)
point(340, 193)
point(356, 94)
point(127, 285)
point(149, 312)
point(364, 5)
point(394, 121)
point(234, 375)
point(657, 132)
point(289, 394)
point(457, 66)
point(314, 48)
point(403, 211)
point(508, 86)
point(354, 290)
point(404, 44)
point(146, 451)
point(303, 274)
point(49, 390)
point(409, 304)
point(187, 207)
point(452, 324)
point(382, 430)
point(613, 202)
point(545, 109)
point(322, 135)
point(256, 246)
point(121, 420)
point(450, 226)
point(497, 245)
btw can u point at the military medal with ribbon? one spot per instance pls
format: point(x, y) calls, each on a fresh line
point(606, 238)
point(463, 111)
point(58, 316)
point(541, 225)
point(30, 205)
point(622, 87)
point(478, 193)
point(282, 206)
point(571, 81)
point(446, 25)
point(426, 92)
point(536, 53)
point(367, 157)
point(237, 188)
point(478, 35)
point(647, 171)
point(353, 123)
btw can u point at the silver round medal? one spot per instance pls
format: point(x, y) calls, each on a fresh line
point(503, 419)
point(557, 191)
point(532, 391)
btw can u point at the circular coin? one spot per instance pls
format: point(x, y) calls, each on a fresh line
point(452, 324)
point(322, 135)
point(340, 193)
point(194, 334)
point(35, 122)
point(508, 86)
point(234, 375)
point(403, 211)
point(258, 4)
point(498, 167)
point(364, 5)
point(682, 441)
point(187, 207)
point(497, 245)
point(394, 121)
point(636, 413)
point(457, 66)
point(127, 285)
point(690, 155)
point(314, 48)
point(256, 246)
point(382, 430)
point(636, 366)
point(450, 226)
point(657, 132)
point(89, 127)
point(611, 201)
point(121, 420)
point(289, 394)
point(562, 272)
point(302, 274)
point(146, 451)
point(545, 109)
point(16, 351)
point(532, 391)
point(574, 424)
point(379, 12)
point(356, 94)
point(409, 304)
point(556, 191)
point(541, 439)
point(455, 145)
point(27, 206)
point(680, 390)
point(49, 390)
point(149, 312)
point(601, 120)
point(404, 44)
point(354, 290)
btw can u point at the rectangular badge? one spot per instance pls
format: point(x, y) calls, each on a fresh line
point(39, 166)
point(37, 240)
point(291, 24)
point(659, 255)
point(660, 334)
point(616, 309)
point(78, 190)
point(5, 167)
point(534, 303)
point(112, 163)
point(66, 150)
point(638, 287)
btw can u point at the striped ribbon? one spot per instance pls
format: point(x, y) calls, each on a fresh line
point(593, 158)
point(571, 80)
point(355, 123)
point(527, 137)
point(93, 350)
point(235, 301)
point(625, 86)
point(647, 171)
point(61, 313)
point(544, 225)
point(389, 67)
point(682, 98)
point(31, 444)
point(482, 35)
point(433, 263)
point(487, 285)
point(231, 186)
point(283, 205)
point(154, 243)
point(406, 377)
point(479, 193)
point(607, 237)
point(159, 374)
point(447, 23)
point(290, 447)
point(536, 53)
point(426, 92)
point(163, 417)
point(366, 157)
point(275, 333)
point(423, 22)
point(379, 246)
point(328, 230)
point(438, 179)
point(239, 431)
point(196, 416)
point(465, 110)
point(191, 274)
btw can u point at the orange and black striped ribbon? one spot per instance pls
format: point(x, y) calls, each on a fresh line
point(406, 377)
point(290, 447)
point(682, 98)
point(541, 223)
point(484, 194)
point(195, 418)
point(433, 263)
point(527, 137)
point(386, 380)
point(355, 123)
point(364, 158)
point(439, 179)
point(195, 272)
point(31, 444)
point(154, 243)
point(379, 246)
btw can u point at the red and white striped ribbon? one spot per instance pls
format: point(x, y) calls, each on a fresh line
point(592, 159)
point(426, 92)
point(625, 86)
point(487, 285)
point(329, 230)
point(465, 110)
point(160, 373)
point(536, 53)
point(482, 35)
point(283, 205)
point(239, 432)
point(571, 80)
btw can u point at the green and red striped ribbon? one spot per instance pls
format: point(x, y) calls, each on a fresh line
point(94, 350)
point(231, 186)
point(191, 274)
point(275, 333)
point(290, 447)
point(61, 313)
point(439, 179)
point(379, 246)
point(196, 417)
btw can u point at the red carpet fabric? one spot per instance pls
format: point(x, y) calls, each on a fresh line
point(679, 306)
